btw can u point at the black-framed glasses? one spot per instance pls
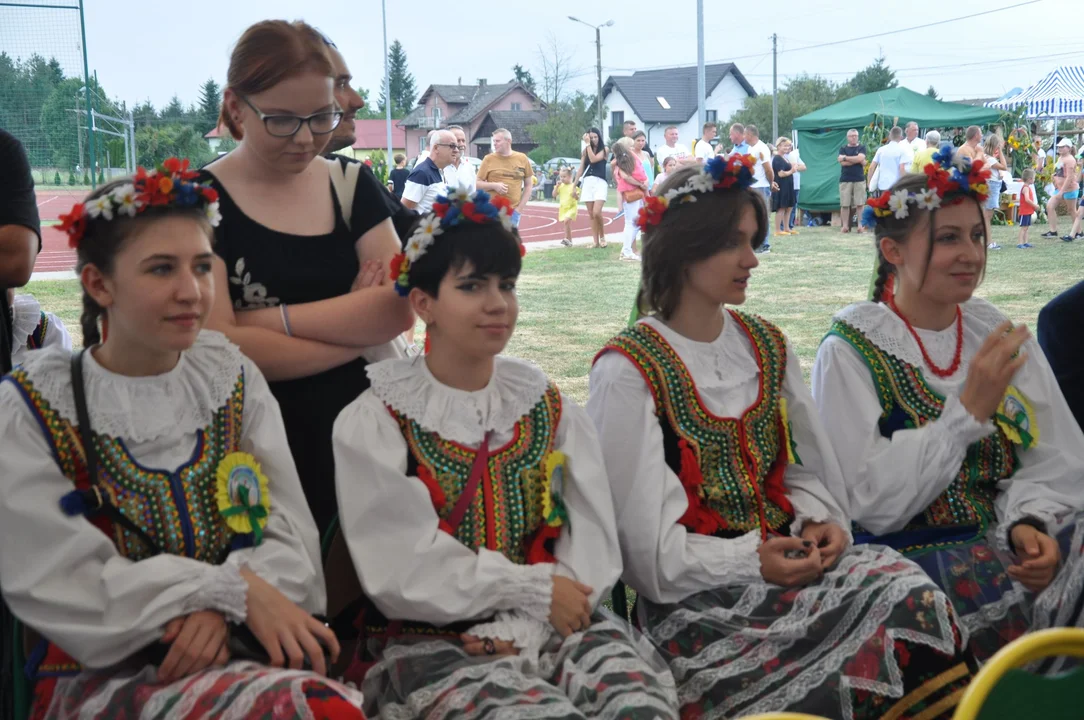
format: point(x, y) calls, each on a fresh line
point(451, 146)
point(282, 126)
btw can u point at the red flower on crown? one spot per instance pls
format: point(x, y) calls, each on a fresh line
point(74, 224)
point(652, 211)
point(500, 201)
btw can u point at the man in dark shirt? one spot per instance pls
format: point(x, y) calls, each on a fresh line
point(852, 180)
point(20, 232)
point(1063, 344)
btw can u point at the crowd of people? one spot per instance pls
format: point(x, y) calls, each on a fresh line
point(245, 389)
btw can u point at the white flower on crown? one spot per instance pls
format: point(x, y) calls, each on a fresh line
point(898, 203)
point(423, 237)
point(214, 217)
point(458, 195)
point(126, 200)
point(100, 206)
point(702, 182)
point(929, 200)
point(505, 216)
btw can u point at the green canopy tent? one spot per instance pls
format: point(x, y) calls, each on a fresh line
point(823, 132)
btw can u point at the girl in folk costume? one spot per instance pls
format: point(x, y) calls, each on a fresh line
point(152, 525)
point(474, 502)
point(724, 485)
point(956, 445)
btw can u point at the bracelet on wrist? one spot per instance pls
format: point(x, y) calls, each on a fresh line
point(285, 320)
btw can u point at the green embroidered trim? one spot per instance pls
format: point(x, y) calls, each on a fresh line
point(148, 496)
point(517, 473)
point(903, 393)
point(735, 455)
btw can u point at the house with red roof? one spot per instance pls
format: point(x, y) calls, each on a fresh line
point(371, 135)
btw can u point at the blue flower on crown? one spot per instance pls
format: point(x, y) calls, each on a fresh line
point(944, 156)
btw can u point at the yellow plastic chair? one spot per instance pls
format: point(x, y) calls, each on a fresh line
point(1001, 691)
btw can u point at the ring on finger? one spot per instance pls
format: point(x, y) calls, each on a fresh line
point(489, 647)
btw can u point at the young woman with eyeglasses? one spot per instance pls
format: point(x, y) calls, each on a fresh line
point(307, 290)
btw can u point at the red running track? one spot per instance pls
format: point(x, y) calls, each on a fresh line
point(538, 224)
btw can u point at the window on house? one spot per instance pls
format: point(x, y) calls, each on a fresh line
point(711, 116)
point(617, 119)
point(662, 102)
point(516, 107)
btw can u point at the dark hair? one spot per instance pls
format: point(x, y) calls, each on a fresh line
point(268, 53)
point(639, 134)
point(398, 158)
point(601, 143)
point(900, 230)
point(103, 240)
point(711, 125)
point(687, 234)
point(489, 248)
point(629, 122)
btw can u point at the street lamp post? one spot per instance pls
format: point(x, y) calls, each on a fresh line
point(598, 61)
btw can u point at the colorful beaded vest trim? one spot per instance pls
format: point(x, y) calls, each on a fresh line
point(908, 402)
point(178, 509)
point(37, 338)
point(732, 469)
point(508, 512)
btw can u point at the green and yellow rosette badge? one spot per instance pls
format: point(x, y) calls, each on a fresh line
point(554, 512)
point(243, 495)
point(1016, 418)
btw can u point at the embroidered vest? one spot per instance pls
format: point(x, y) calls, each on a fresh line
point(507, 512)
point(908, 402)
point(731, 468)
point(37, 338)
point(177, 509)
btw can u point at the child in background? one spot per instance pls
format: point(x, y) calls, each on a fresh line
point(632, 184)
point(1028, 207)
point(668, 166)
point(32, 328)
point(568, 196)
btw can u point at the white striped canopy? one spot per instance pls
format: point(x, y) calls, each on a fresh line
point(1059, 94)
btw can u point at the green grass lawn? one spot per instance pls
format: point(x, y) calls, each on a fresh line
point(573, 300)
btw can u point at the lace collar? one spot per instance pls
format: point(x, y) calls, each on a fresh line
point(407, 386)
point(142, 409)
point(887, 331)
point(26, 315)
point(727, 361)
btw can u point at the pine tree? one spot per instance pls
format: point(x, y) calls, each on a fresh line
point(932, 93)
point(173, 111)
point(400, 82)
point(874, 78)
point(210, 100)
point(524, 77)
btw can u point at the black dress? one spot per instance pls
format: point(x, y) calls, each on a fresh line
point(784, 196)
point(266, 268)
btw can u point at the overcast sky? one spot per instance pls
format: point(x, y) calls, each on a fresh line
point(140, 53)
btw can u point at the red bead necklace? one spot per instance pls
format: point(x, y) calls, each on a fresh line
point(956, 360)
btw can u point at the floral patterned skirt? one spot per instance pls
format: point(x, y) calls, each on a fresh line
point(995, 610)
point(606, 671)
point(238, 691)
point(873, 637)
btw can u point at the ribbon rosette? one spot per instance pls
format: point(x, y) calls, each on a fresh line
point(244, 498)
point(554, 512)
point(1016, 418)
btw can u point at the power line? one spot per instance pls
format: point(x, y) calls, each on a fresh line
point(841, 42)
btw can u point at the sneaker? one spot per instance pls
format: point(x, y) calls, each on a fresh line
point(1024, 246)
point(631, 258)
point(1079, 235)
point(1066, 238)
point(1049, 233)
point(993, 246)
point(566, 242)
point(763, 249)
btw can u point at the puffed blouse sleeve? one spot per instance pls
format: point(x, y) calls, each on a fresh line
point(63, 577)
point(407, 565)
point(289, 555)
point(662, 560)
point(888, 480)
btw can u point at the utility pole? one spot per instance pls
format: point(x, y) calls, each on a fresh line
point(598, 67)
point(775, 90)
point(387, 84)
point(598, 77)
point(701, 83)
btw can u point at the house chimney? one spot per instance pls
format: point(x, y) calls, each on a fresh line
point(459, 80)
point(481, 82)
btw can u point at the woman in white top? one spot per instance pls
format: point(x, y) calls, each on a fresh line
point(146, 530)
point(995, 163)
point(725, 488)
point(955, 442)
point(474, 502)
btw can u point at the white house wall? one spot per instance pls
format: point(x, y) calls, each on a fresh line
point(725, 100)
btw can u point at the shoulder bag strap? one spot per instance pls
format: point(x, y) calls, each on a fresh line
point(477, 472)
point(93, 498)
point(345, 183)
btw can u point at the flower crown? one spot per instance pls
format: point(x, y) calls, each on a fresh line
point(170, 184)
point(449, 211)
point(716, 174)
point(949, 178)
